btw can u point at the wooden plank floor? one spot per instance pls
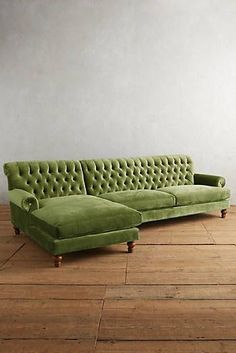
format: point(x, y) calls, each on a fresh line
point(175, 294)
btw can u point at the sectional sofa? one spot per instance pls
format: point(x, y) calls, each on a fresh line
point(68, 206)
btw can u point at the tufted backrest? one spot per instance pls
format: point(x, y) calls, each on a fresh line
point(46, 178)
point(109, 175)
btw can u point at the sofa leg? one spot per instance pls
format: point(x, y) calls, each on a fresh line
point(223, 213)
point(57, 260)
point(16, 230)
point(131, 245)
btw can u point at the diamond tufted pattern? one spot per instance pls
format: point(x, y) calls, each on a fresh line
point(47, 178)
point(109, 175)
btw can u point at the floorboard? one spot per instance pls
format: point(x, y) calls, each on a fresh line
point(168, 320)
point(46, 346)
point(183, 292)
point(50, 319)
point(166, 347)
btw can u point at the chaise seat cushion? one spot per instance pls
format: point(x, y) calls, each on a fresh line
point(196, 194)
point(141, 200)
point(78, 215)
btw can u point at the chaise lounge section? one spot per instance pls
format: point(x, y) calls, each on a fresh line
point(49, 203)
point(69, 206)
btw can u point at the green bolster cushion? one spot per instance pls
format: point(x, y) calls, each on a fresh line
point(23, 199)
point(211, 180)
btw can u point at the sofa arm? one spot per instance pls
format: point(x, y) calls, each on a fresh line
point(211, 180)
point(23, 199)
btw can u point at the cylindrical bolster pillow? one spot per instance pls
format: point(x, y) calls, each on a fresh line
point(211, 180)
point(23, 199)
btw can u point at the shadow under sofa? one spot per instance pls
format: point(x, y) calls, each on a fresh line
point(67, 206)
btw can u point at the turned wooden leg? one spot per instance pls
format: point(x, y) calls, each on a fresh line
point(57, 260)
point(223, 213)
point(17, 230)
point(131, 245)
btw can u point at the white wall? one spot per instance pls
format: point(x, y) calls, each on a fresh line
point(115, 78)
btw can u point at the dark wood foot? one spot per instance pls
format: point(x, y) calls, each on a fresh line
point(223, 213)
point(17, 230)
point(57, 260)
point(131, 246)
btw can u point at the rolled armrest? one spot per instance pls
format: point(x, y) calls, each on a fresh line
point(211, 180)
point(23, 199)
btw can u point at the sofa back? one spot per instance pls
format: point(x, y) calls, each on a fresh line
point(109, 175)
point(46, 178)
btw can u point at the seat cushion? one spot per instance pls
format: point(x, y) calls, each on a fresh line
point(78, 215)
point(196, 194)
point(141, 200)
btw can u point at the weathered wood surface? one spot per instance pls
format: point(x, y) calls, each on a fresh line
point(51, 292)
point(183, 292)
point(46, 346)
point(175, 294)
point(49, 319)
point(168, 320)
point(166, 347)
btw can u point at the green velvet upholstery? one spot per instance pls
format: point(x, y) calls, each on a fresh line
point(46, 178)
point(151, 173)
point(23, 199)
point(196, 194)
point(90, 241)
point(23, 220)
point(211, 180)
point(78, 215)
point(74, 205)
point(19, 217)
point(180, 211)
point(141, 200)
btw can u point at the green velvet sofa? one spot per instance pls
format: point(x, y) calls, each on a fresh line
point(68, 206)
